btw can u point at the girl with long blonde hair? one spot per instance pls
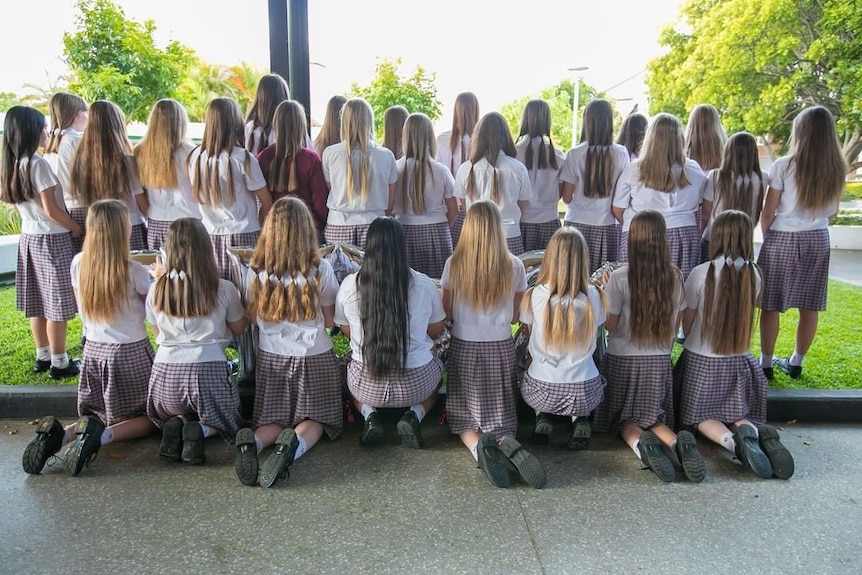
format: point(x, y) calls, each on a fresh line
point(663, 179)
point(645, 300)
point(161, 156)
point(291, 297)
point(194, 315)
point(493, 173)
point(361, 176)
point(482, 288)
point(720, 386)
point(804, 190)
point(69, 113)
point(290, 168)
point(425, 204)
point(393, 129)
point(564, 311)
point(589, 175)
point(104, 168)
point(535, 149)
point(705, 137)
point(118, 357)
point(453, 146)
point(271, 90)
point(330, 130)
point(227, 183)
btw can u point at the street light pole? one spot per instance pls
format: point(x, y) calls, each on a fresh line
point(575, 102)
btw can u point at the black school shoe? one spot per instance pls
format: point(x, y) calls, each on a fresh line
point(783, 364)
point(488, 457)
point(689, 457)
point(71, 370)
point(246, 462)
point(748, 451)
point(542, 430)
point(529, 468)
point(581, 433)
point(410, 429)
point(277, 465)
point(780, 458)
point(654, 457)
point(83, 450)
point(372, 430)
point(171, 448)
point(193, 443)
point(768, 373)
point(41, 365)
point(49, 440)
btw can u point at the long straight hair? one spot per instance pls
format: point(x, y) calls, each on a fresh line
point(705, 137)
point(662, 150)
point(536, 123)
point(481, 269)
point(63, 108)
point(103, 289)
point(632, 133)
point(99, 168)
point(190, 285)
point(330, 131)
point(383, 284)
point(653, 280)
point(465, 116)
point(290, 127)
point(357, 129)
point(599, 134)
point(166, 133)
point(735, 183)
point(730, 301)
point(286, 259)
point(420, 147)
point(393, 129)
point(22, 132)
point(820, 165)
point(492, 137)
point(223, 130)
point(271, 91)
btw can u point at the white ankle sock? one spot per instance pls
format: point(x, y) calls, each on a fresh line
point(107, 436)
point(728, 442)
point(60, 360)
point(258, 443)
point(474, 451)
point(797, 358)
point(418, 410)
point(637, 449)
point(68, 435)
point(206, 429)
point(300, 449)
point(765, 360)
point(367, 410)
point(43, 353)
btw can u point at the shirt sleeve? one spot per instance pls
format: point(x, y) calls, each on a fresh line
point(461, 180)
point(324, 165)
point(151, 313)
point(526, 312)
point(74, 271)
point(776, 176)
point(595, 300)
point(444, 277)
point(448, 184)
point(234, 311)
point(615, 294)
point(437, 312)
point(134, 182)
point(568, 172)
point(42, 176)
point(519, 275)
point(525, 188)
point(254, 179)
point(348, 284)
point(692, 289)
point(623, 189)
point(709, 189)
point(319, 191)
point(141, 279)
point(328, 284)
point(393, 168)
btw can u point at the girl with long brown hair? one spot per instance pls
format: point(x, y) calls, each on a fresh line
point(227, 183)
point(272, 90)
point(330, 130)
point(393, 129)
point(632, 133)
point(493, 173)
point(564, 311)
point(291, 297)
point(804, 190)
point(705, 137)
point(425, 203)
point(646, 298)
point(536, 150)
point(589, 174)
point(194, 315)
point(453, 146)
point(721, 388)
point(482, 288)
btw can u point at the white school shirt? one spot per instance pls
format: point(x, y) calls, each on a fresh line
point(718, 207)
point(302, 338)
point(241, 216)
point(439, 186)
point(789, 216)
point(677, 207)
point(446, 156)
point(590, 211)
point(34, 219)
point(128, 325)
point(196, 339)
point(619, 304)
point(382, 171)
point(544, 207)
point(169, 204)
point(695, 292)
point(575, 363)
point(136, 217)
point(424, 308)
point(61, 162)
point(494, 324)
point(514, 186)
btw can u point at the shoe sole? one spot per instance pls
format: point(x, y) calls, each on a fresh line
point(654, 458)
point(488, 457)
point(581, 434)
point(246, 463)
point(753, 457)
point(528, 466)
point(690, 458)
point(277, 465)
point(72, 460)
point(88, 433)
point(36, 454)
point(410, 436)
point(373, 436)
point(171, 448)
point(542, 431)
point(779, 456)
point(193, 444)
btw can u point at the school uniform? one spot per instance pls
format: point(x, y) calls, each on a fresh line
point(43, 287)
point(169, 204)
point(480, 385)
point(678, 208)
point(794, 258)
point(718, 205)
point(190, 374)
point(138, 239)
point(348, 219)
point(296, 372)
point(708, 385)
point(262, 140)
point(593, 216)
point(513, 184)
point(427, 236)
point(420, 377)
point(453, 159)
point(61, 163)
point(118, 356)
point(541, 218)
point(562, 382)
point(639, 379)
point(234, 225)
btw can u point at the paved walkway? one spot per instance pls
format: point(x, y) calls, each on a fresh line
point(346, 509)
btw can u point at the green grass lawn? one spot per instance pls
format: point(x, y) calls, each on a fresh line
point(834, 362)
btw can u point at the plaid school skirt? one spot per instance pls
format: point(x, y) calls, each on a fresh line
point(456, 227)
point(411, 387)
point(537, 236)
point(114, 380)
point(428, 247)
point(79, 216)
point(575, 399)
point(639, 392)
point(138, 239)
point(353, 235)
point(795, 268)
point(156, 232)
point(515, 245)
point(222, 243)
point(603, 243)
point(43, 284)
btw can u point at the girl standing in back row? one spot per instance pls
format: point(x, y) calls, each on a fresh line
point(271, 91)
point(453, 147)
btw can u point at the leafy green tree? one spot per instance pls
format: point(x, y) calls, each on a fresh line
point(117, 59)
point(207, 81)
point(760, 63)
point(389, 88)
point(8, 99)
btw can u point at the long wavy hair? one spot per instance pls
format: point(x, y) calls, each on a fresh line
point(357, 133)
point(492, 137)
point(536, 123)
point(653, 281)
point(189, 287)
point(383, 284)
point(729, 302)
point(632, 133)
point(599, 134)
point(662, 150)
point(290, 127)
point(420, 147)
point(393, 129)
point(166, 133)
point(272, 89)
point(705, 137)
point(286, 260)
point(330, 131)
point(103, 289)
point(100, 170)
point(820, 165)
point(735, 182)
point(223, 130)
point(465, 116)
point(22, 132)
point(63, 108)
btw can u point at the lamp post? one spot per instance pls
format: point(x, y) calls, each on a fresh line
point(575, 101)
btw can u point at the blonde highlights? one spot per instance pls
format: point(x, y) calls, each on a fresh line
point(223, 130)
point(63, 108)
point(420, 147)
point(357, 126)
point(662, 150)
point(190, 285)
point(705, 137)
point(166, 133)
point(103, 278)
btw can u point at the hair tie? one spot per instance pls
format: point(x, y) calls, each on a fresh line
point(737, 262)
point(563, 301)
point(174, 274)
point(56, 132)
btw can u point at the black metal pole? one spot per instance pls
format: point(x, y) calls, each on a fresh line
point(297, 22)
point(279, 63)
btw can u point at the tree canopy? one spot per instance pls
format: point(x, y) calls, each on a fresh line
point(761, 63)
